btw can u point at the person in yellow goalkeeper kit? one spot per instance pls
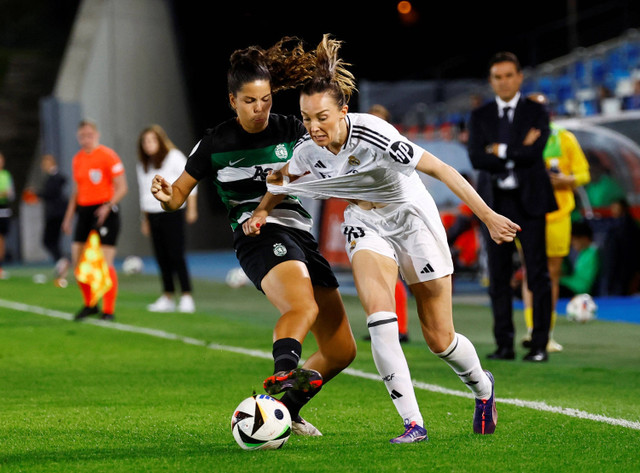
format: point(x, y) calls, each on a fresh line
point(568, 169)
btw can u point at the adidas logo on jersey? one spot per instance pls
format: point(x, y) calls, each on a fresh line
point(319, 165)
point(427, 269)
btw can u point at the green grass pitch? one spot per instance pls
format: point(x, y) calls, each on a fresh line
point(155, 392)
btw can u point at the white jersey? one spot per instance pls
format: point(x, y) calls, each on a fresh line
point(384, 160)
point(376, 164)
point(171, 169)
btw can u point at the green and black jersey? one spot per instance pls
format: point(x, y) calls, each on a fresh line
point(238, 162)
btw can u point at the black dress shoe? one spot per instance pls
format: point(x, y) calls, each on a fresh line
point(536, 355)
point(502, 354)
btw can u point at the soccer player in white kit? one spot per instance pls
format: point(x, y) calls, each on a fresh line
point(392, 224)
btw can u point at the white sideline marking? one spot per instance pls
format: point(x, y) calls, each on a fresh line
point(536, 405)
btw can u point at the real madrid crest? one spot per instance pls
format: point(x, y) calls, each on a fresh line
point(279, 249)
point(353, 160)
point(281, 151)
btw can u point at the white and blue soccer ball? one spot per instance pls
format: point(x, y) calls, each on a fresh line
point(236, 277)
point(581, 308)
point(261, 422)
point(132, 265)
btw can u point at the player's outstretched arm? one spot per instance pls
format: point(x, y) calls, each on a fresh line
point(172, 196)
point(502, 229)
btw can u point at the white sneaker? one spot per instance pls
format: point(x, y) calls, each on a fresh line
point(553, 346)
point(61, 268)
point(186, 304)
point(304, 428)
point(163, 304)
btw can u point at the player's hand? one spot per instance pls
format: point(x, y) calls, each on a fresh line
point(501, 229)
point(561, 181)
point(252, 225)
point(66, 226)
point(161, 189)
point(276, 178)
point(532, 135)
point(101, 213)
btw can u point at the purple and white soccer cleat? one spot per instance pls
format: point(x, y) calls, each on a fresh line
point(485, 416)
point(413, 433)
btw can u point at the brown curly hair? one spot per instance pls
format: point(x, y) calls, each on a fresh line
point(284, 65)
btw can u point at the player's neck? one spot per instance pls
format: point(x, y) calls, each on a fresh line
point(341, 138)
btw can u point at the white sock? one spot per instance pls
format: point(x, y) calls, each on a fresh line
point(462, 357)
point(392, 365)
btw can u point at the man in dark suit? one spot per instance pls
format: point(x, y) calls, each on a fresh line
point(506, 140)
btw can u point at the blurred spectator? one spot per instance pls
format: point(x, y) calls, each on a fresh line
point(583, 268)
point(603, 189)
point(604, 98)
point(52, 193)
point(463, 132)
point(568, 169)
point(7, 195)
point(380, 111)
point(507, 137)
point(621, 252)
point(632, 102)
point(158, 155)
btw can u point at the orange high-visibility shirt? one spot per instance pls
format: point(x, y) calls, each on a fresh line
point(94, 172)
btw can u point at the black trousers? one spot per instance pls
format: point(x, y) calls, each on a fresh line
point(501, 267)
point(168, 238)
point(51, 236)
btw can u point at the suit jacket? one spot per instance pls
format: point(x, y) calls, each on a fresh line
point(534, 187)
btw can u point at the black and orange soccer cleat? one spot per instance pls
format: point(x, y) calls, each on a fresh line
point(299, 379)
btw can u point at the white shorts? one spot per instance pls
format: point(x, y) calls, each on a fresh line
point(412, 234)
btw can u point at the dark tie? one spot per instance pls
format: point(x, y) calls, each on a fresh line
point(504, 126)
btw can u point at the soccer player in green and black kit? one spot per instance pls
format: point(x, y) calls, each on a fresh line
point(283, 261)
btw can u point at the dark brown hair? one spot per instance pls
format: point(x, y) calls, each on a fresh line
point(165, 145)
point(505, 56)
point(285, 65)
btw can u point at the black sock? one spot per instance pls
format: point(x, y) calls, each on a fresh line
point(286, 354)
point(295, 400)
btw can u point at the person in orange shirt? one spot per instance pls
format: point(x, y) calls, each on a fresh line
point(99, 184)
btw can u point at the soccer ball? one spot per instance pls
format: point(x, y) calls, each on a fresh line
point(132, 265)
point(581, 308)
point(261, 422)
point(236, 278)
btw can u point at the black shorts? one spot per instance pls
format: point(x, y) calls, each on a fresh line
point(87, 221)
point(276, 244)
point(4, 225)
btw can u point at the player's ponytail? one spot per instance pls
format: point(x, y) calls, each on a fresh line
point(284, 65)
point(247, 65)
point(290, 65)
point(331, 74)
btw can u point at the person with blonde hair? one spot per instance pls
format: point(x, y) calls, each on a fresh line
point(158, 155)
point(99, 185)
point(284, 261)
point(391, 224)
